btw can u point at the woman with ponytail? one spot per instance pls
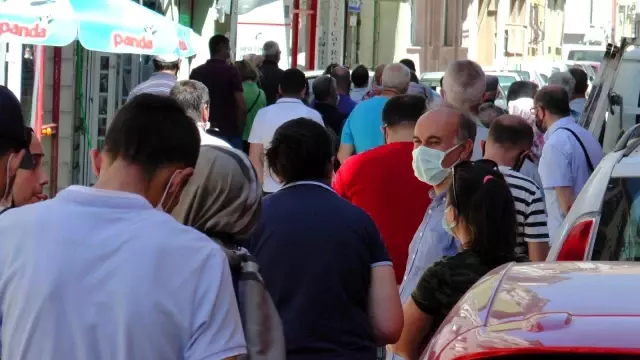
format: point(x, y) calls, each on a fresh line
point(480, 214)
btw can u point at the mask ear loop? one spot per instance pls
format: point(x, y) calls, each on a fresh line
point(166, 191)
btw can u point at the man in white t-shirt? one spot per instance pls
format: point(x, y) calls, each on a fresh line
point(105, 273)
point(194, 98)
point(290, 106)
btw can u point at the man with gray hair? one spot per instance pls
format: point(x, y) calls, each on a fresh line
point(270, 72)
point(194, 98)
point(361, 131)
point(568, 82)
point(463, 87)
point(326, 103)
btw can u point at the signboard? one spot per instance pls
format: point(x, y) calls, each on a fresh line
point(355, 5)
point(335, 43)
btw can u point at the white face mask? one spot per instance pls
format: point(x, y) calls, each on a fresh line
point(427, 164)
point(166, 191)
point(5, 202)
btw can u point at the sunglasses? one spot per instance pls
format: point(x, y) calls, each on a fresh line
point(486, 163)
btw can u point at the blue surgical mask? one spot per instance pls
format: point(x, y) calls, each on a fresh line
point(427, 164)
point(445, 225)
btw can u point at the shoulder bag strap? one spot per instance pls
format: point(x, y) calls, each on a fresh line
point(584, 149)
point(254, 102)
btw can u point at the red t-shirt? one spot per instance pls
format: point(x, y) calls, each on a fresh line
point(381, 182)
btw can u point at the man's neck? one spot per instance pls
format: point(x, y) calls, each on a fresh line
point(170, 72)
point(501, 157)
point(342, 92)
point(121, 176)
point(552, 120)
point(389, 92)
point(296, 97)
point(400, 135)
point(443, 186)
point(218, 57)
point(579, 96)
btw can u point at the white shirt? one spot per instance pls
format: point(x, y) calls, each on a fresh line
point(206, 139)
point(101, 275)
point(563, 163)
point(270, 118)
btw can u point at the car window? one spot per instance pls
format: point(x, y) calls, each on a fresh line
point(618, 233)
point(586, 55)
point(505, 81)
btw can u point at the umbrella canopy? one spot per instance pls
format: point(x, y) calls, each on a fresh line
point(115, 26)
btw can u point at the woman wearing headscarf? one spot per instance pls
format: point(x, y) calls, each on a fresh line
point(223, 200)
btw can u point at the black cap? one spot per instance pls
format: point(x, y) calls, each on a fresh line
point(491, 83)
point(12, 133)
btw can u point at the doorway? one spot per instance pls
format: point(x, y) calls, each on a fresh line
point(110, 79)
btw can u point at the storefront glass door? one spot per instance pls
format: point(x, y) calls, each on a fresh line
point(110, 79)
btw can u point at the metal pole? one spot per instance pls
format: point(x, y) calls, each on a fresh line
point(233, 27)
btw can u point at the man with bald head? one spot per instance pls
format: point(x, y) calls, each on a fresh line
point(442, 138)
point(362, 130)
point(508, 145)
point(343, 85)
point(270, 72)
point(463, 86)
point(569, 156)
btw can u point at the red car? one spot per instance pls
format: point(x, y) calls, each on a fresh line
point(553, 310)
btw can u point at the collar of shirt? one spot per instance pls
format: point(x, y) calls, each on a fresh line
point(436, 198)
point(162, 75)
point(577, 105)
point(565, 121)
point(102, 198)
point(289, 101)
point(316, 183)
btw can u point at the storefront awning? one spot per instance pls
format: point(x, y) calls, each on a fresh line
point(115, 26)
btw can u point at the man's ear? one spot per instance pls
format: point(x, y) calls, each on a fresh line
point(468, 149)
point(16, 159)
point(96, 161)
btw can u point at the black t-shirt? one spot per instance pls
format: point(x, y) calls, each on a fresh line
point(315, 252)
point(444, 283)
point(270, 77)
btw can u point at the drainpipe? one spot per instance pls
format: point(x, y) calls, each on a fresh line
point(374, 51)
point(55, 119)
point(295, 30)
point(313, 33)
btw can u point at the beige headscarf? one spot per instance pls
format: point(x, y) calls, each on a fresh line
point(223, 198)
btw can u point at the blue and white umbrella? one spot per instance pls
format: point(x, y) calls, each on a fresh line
point(115, 26)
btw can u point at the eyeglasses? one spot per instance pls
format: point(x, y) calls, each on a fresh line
point(534, 110)
point(489, 164)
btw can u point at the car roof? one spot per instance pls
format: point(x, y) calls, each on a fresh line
point(432, 75)
point(549, 304)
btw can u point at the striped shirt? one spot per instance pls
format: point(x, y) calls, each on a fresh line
point(530, 210)
point(160, 83)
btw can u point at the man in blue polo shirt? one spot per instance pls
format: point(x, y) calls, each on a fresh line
point(361, 131)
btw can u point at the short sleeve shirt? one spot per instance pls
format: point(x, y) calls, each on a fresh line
point(116, 279)
point(563, 164)
point(444, 283)
point(362, 129)
point(316, 263)
point(268, 120)
point(223, 82)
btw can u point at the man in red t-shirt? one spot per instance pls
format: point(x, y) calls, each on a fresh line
point(381, 180)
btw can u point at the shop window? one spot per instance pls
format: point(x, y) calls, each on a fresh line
point(28, 71)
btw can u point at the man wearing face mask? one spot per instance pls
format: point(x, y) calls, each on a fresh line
point(194, 98)
point(508, 145)
point(118, 277)
point(442, 138)
point(569, 156)
point(13, 144)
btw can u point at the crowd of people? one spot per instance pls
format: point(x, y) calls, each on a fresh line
point(244, 212)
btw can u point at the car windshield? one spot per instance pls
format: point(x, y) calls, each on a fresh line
point(586, 55)
point(618, 234)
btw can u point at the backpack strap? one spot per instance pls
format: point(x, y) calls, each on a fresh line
point(584, 149)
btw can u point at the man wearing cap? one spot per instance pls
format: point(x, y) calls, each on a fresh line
point(13, 144)
point(161, 81)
